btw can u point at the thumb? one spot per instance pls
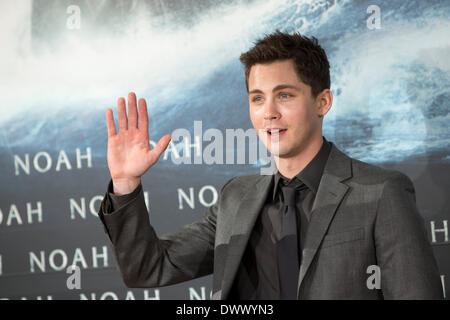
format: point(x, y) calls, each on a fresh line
point(161, 145)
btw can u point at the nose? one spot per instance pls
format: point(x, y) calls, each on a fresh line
point(270, 111)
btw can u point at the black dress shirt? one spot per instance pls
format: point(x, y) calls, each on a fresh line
point(257, 275)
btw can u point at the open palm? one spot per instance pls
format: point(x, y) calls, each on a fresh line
point(129, 154)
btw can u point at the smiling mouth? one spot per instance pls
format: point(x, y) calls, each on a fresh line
point(276, 132)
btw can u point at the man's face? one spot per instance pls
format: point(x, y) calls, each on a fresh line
point(280, 100)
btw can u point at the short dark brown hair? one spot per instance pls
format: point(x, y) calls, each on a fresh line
point(310, 59)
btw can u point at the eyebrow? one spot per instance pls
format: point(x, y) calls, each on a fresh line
point(277, 88)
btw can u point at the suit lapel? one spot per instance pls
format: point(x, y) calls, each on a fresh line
point(245, 218)
point(329, 195)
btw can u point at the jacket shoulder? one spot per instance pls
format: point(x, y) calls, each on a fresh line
point(362, 172)
point(366, 172)
point(242, 183)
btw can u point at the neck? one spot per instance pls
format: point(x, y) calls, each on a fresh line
point(291, 166)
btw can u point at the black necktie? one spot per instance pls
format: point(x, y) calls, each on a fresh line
point(287, 246)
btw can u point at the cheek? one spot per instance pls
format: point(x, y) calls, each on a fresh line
point(255, 117)
point(299, 113)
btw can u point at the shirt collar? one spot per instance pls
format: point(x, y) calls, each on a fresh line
point(311, 174)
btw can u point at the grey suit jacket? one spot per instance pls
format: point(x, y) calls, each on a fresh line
point(362, 216)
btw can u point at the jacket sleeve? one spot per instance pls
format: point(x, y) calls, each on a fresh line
point(146, 260)
point(405, 257)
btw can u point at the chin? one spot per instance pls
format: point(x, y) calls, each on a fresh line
point(282, 153)
point(288, 151)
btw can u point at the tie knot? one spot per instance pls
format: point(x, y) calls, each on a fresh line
point(288, 195)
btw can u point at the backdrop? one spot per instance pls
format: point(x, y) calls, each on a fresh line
point(64, 62)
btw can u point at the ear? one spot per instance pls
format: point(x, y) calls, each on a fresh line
point(324, 100)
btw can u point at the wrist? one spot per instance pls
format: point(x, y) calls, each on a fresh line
point(122, 186)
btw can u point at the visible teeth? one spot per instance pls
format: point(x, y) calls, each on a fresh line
point(275, 131)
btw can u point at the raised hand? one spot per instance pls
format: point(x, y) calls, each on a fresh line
point(129, 154)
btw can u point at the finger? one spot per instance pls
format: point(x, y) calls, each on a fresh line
point(110, 123)
point(143, 117)
point(132, 111)
point(122, 114)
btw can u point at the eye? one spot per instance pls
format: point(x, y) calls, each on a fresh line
point(284, 95)
point(257, 99)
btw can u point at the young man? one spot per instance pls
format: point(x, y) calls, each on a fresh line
point(325, 226)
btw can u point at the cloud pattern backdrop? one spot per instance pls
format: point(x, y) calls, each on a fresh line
point(391, 85)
